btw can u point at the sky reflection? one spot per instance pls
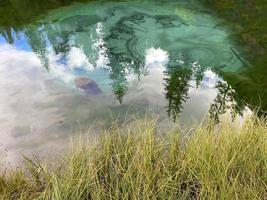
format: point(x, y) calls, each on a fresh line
point(151, 58)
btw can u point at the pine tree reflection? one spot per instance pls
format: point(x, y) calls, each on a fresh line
point(226, 101)
point(176, 88)
point(37, 41)
point(119, 84)
point(126, 57)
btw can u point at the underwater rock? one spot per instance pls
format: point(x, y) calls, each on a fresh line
point(88, 85)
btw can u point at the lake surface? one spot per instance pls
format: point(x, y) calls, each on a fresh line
point(66, 67)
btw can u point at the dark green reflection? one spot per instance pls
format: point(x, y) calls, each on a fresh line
point(226, 100)
point(17, 13)
point(248, 21)
point(176, 87)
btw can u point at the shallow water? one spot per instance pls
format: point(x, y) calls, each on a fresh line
point(156, 58)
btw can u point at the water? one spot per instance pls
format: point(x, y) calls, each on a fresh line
point(86, 64)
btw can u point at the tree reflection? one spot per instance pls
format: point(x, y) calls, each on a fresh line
point(226, 100)
point(125, 58)
point(37, 41)
point(7, 35)
point(177, 76)
point(119, 84)
point(176, 89)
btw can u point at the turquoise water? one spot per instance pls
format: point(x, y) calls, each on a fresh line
point(162, 59)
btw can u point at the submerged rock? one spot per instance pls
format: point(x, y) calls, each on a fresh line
point(88, 85)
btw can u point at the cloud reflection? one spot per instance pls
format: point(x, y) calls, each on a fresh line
point(156, 58)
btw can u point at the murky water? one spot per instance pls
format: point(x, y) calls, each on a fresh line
point(87, 64)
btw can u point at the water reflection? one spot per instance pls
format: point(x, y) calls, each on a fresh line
point(155, 56)
point(122, 41)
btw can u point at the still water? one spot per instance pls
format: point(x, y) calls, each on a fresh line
point(85, 64)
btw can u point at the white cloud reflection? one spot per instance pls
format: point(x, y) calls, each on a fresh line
point(156, 58)
point(210, 79)
point(100, 49)
point(76, 59)
point(28, 99)
point(32, 102)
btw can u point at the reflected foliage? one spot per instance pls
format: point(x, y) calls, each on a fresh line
point(120, 84)
point(226, 101)
point(248, 21)
point(130, 35)
point(176, 87)
point(37, 41)
point(14, 14)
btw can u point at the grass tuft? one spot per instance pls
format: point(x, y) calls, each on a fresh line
point(138, 162)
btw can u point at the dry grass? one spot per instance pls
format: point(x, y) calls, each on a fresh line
point(138, 162)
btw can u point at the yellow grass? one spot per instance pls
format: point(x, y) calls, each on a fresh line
point(138, 162)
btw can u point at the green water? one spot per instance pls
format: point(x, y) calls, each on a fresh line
point(247, 20)
point(178, 60)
